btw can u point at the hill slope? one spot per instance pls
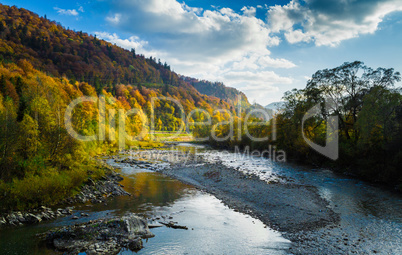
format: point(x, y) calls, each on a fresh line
point(79, 56)
point(43, 68)
point(275, 106)
point(217, 89)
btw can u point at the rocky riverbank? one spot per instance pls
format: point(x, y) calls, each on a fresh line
point(92, 191)
point(98, 192)
point(285, 207)
point(296, 210)
point(318, 211)
point(105, 236)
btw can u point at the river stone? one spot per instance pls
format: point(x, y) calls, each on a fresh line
point(32, 219)
point(105, 236)
point(20, 217)
point(12, 219)
point(135, 245)
point(46, 216)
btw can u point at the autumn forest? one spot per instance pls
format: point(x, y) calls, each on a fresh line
point(44, 67)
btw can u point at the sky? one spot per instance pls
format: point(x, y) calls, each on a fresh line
point(263, 48)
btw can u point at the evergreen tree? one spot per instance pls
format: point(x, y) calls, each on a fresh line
point(133, 53)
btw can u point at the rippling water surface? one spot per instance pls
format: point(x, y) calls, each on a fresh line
point(213, 227)
point(367, 212)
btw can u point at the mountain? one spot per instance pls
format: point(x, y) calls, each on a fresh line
point(217, 89)
point(82, 58)
point(275, 106)
point(78, 56)
point(43, 68)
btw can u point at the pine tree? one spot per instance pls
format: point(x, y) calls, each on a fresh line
point(133, 52)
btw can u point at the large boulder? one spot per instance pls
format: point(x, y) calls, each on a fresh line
point(106, 236)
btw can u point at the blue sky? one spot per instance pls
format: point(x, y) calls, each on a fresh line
point(263, 48)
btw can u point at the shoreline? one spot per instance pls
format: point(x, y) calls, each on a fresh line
point(282, 206)
point(339, 170)
point(92, 191)
point(298, 212)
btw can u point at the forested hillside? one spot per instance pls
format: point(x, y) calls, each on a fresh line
point(217, 89)
point(43, 68)
point(81, 57)
point(77, 55)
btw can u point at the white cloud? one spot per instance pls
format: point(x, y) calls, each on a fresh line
point(249, 73)
point(329, 22)
point(249, 11)
point(190, 31)
point(256, 81)
point(134, 42)
point(195, 10)
point(295, 36)
point(267, 61)
point(72, 12)
point(258, 86)
point(206, 44)
point(81, 9)
point(257, 61)
point(115, 19)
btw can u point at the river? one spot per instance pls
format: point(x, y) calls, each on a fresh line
point(368, 213)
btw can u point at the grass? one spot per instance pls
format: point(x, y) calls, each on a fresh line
point(172, 136)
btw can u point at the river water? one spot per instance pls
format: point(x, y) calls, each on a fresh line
point(213, 227)
point(371, 217)
point(367, 213)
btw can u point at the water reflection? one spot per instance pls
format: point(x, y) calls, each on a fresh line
point(148, 189)
point(213, 227)
point(367, 212)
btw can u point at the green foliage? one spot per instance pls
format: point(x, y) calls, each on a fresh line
point(47, 188)
point(369, 109)
point(40, 163)
point(36, 151)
